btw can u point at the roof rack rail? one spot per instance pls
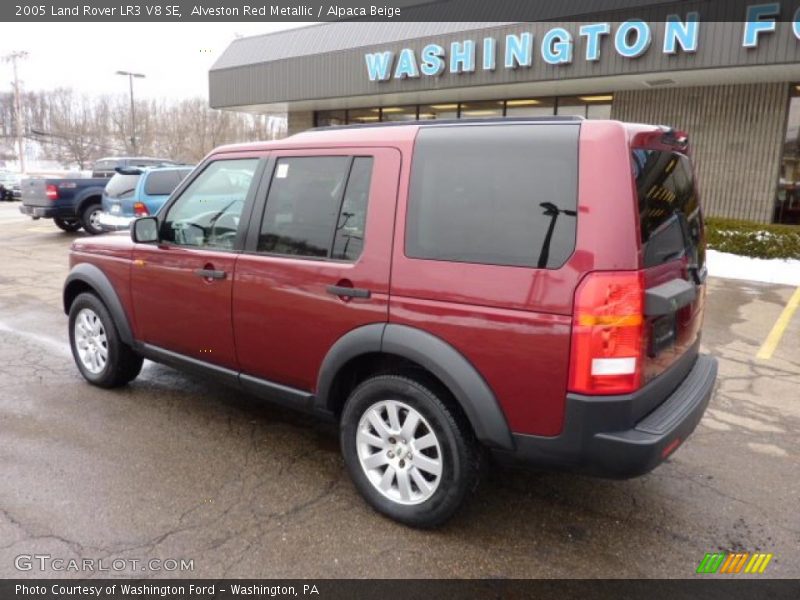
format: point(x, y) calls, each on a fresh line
point(435, 122)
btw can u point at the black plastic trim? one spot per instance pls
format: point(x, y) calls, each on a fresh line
point(461, 378)
point(363, 340)
point(598, 438)
point(99, 282)
point(187, 363)
point(277, 393)
point(668, 297)
point(268, 390)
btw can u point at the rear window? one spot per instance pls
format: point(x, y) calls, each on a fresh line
point(121, 186)
point(494, 194)
point(669, 211)
point(162, 183)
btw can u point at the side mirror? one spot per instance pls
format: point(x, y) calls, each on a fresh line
point(145, 230)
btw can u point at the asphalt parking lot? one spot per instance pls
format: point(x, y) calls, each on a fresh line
point(175, 468)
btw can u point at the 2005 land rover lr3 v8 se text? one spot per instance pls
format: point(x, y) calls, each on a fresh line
point(529, 290)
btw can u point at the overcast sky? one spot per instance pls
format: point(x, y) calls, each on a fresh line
point(175, 57)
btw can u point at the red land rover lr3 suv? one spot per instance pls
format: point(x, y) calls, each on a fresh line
point(531, 290)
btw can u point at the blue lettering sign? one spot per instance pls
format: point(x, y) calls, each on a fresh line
point(557, 47)
point(641, 42)
point(462, 57)
point(432, 60)
point(684, 33)
point(519, 50)
point(796, 24)
point(379, 65)
point(757, 23)
point(592, 34)
point(406, 65)
point(489, 54)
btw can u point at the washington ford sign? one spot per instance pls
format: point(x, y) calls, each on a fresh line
point(558, 46)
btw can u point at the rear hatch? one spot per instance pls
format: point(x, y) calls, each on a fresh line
point(673, 259)
point(120, 192)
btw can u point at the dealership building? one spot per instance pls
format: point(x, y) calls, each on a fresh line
point(733, 86)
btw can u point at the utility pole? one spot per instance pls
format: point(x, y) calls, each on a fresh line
point(12, 58)
point(133, 109)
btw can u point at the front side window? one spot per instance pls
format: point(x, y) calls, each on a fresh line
point(494, 194)
point(316, 207)
point(207, 213)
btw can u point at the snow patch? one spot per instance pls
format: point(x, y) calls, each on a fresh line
point(733, 266)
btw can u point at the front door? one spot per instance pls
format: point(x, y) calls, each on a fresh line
point(181, 287)
point(317, 260)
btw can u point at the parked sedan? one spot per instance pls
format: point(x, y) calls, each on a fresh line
point(10, 186)
point(138, 192)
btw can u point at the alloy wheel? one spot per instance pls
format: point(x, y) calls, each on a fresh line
point(399, 452)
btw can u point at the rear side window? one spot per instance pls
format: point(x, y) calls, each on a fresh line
point(161, 183)
point(494, 194)
point(122, 186)
point(669, 212)
point(316, 207)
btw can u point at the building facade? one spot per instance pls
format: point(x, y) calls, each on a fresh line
point(734, 87)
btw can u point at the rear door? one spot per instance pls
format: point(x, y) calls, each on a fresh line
point(317, 260)
point(673, 256)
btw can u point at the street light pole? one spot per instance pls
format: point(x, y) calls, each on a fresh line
point(12, 58)
point(133, 109)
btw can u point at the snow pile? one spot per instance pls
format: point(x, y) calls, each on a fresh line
point(733, 266)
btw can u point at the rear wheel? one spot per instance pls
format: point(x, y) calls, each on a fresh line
point(411, 457)
point(90, 218)
point(101, 356)
point(68, 225)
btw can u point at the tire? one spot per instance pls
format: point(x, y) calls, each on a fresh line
point(114, 363)
point(454, 449)
point(89, 219)
point(68, 225)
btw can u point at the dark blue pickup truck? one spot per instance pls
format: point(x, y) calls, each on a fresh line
point(76, 202)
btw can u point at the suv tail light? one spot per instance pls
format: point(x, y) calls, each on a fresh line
point(140, 209)
point(51, 192)
point(608, 333)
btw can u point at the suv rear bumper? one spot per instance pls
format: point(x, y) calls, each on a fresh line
point(599, 439)
point(111, 222)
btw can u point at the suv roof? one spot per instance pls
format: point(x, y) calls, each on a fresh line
point(406, 131)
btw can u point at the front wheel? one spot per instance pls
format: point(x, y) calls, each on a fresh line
point(410, 455)
point(90, 218)
point(102, 357)
point(68, 225)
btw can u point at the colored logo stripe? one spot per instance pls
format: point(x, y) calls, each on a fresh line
point(758, 563)
point(711, 562)
point(734, 562)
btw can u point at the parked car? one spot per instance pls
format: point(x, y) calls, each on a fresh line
point(72, 203)
point(531, 290)
point(137, 192)
point(10, 186)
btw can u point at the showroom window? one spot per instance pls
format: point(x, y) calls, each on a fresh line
point(594, 106)
point(787, 203)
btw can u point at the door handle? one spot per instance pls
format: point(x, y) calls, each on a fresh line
point(210, 274)
point(348, 292)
